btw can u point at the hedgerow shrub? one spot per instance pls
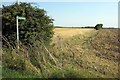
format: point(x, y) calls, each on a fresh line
point(36, 26)
point(98, 26)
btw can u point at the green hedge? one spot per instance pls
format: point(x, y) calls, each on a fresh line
point(98, 26)
point(37, 25)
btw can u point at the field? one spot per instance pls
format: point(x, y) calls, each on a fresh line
point(65, 33)
point(73, 53)
point(95, 51)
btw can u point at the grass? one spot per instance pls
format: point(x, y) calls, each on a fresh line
point(8, 73)
point(66, 73)
point(71, 58)
point(78, 51)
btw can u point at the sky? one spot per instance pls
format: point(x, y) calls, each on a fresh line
point(62, 0)
point(80, 13)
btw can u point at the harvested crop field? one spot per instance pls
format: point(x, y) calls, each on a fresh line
point(95, 51)
point(107, 44)
point(65, 33)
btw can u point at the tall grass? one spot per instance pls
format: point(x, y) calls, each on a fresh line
point(8, 73)
point(38, 59)
point(65, 60)
point(30, 58)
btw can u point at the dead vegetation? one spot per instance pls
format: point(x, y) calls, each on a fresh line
point(88, 53)
point(94, 51)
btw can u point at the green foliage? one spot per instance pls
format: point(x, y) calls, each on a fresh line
point(37, 26)
point(8, 73)
point(66, 73)
point(13, 61)
point(98, 26)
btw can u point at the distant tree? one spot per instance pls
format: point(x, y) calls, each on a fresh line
point(98, 26)
point(37, 26)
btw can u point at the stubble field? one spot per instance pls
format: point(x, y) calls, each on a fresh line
point(95, 51)
point(66, 33)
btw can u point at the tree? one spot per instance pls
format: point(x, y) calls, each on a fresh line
point(37, 26)
point(98, 26)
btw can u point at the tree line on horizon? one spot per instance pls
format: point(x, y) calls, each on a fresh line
point(97, 27)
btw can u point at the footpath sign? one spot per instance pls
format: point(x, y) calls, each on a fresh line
point(22, 18)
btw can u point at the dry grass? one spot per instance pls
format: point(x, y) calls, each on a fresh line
point(91, 53)
point(88, 49)
point(65, 33)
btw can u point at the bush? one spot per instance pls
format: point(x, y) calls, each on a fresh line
point(36, 26)
point(98, 26)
